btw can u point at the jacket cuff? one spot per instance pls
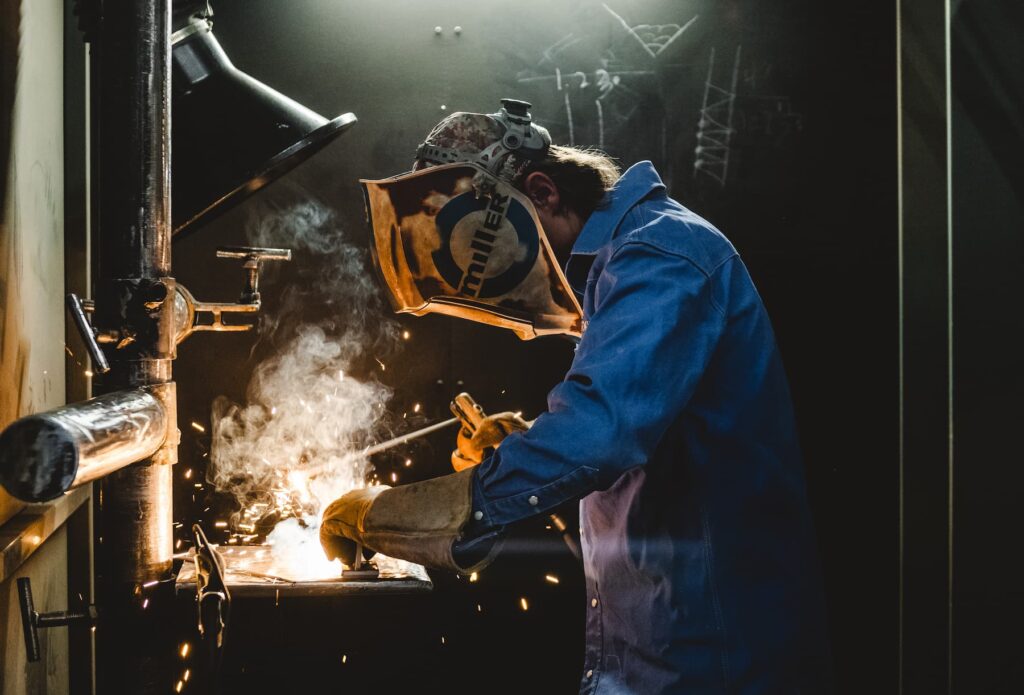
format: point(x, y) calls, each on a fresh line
point(499, 512)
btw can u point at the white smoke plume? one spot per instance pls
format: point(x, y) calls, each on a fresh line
point(303, 408)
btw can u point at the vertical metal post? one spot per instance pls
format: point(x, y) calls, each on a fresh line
point(134, 522)
point(926, 355)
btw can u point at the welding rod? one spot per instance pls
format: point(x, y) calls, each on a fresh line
point(384, 446)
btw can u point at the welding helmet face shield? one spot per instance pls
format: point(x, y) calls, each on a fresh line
point(454, 239)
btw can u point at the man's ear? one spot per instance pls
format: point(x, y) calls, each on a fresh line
point(542, 192)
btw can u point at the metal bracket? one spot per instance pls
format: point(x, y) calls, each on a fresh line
point(33, 621)
point(146, 305)
point(189, 311)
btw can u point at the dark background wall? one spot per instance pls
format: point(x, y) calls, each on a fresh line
point(988, 265)
point(809, 199)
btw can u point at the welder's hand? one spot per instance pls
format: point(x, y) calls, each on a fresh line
point(340, 529)
point(473, 448)
point(418, 522)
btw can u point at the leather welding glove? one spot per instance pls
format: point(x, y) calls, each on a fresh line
point(472, 448)
point(418, 522)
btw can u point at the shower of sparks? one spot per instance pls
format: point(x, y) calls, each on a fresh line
point(408, 462)
point(479, 608)
point(188, 473)
point(299, 444)
point(473, 577)
point(145, 604)
point(442, 639)
point(88, 373)
point(178, 686)
point(185, 676)
point(344, 658)
point(149, 584)
point(523, 604)
point(406, 335)
point(197, 427)
point(551, 578)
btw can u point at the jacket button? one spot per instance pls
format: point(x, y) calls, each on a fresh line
point(593, 603)
point(590, 674)
point(478, 515)
point(533, 500)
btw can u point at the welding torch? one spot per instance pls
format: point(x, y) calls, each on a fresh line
point(470, 416)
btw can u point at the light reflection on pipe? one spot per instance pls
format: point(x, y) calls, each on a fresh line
point(44, 455)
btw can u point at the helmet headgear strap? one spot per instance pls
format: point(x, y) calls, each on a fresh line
point(521, 139)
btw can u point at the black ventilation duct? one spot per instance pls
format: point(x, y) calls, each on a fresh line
point(231, 134)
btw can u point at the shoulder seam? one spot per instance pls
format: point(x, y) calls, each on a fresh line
point(718, 267)
point(671, 252)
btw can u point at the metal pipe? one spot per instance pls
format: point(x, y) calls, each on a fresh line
point(134, 149)
point(42, 456)
point(135, 294)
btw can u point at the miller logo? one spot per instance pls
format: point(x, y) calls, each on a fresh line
point(488, 244)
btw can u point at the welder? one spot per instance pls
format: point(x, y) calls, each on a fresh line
point(673, 427)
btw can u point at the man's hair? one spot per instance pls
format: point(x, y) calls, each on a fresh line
point(582, 176)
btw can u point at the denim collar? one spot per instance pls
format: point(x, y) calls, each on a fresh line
point(638, 182)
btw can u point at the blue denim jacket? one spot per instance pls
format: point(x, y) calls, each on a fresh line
point(674, 426)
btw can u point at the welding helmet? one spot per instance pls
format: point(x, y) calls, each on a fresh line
point(457, 238)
